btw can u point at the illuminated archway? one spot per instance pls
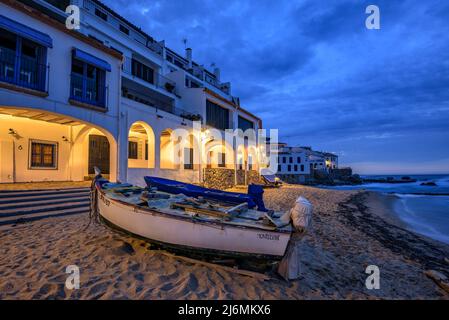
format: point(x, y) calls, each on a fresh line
point(191, 152)
point(93, 147)
point(141, 146)
point(47, 146)
point(218, 154)
point(169, 153)
point(252, 160)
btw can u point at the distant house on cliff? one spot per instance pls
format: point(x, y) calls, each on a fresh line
point(301, 164)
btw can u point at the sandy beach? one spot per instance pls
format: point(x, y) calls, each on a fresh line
point(351, 230)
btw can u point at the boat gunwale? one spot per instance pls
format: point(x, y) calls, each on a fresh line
point(187, 218)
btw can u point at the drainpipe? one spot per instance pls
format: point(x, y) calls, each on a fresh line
point(13, 161)
point(200, 160)
point(119, 114)
point(234, 147)
point(71, 154)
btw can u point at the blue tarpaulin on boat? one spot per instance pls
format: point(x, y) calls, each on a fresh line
point(87, 57)
point(191, 190)
point(26, 32)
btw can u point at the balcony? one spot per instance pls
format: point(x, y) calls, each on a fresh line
point(87, 92)
point(135, 92)
point(135, 34)
point(196, 72)
point(23, 71)
point(207, 80)
point(154, 79)
point(156, 47)
point(165, 83)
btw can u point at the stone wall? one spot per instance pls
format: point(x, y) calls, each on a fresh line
point(253, 177)
point(341, 173)
point(221, 178)
point(295, 178)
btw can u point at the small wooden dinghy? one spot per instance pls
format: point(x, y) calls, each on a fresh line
point(190, 223)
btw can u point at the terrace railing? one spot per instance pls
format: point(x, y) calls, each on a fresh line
point(159, 80)
point(166, 84)
point(158, 104)
point(23, 71)
point(135, 35)
point(87, 91)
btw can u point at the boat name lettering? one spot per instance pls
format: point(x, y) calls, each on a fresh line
point(268, 236)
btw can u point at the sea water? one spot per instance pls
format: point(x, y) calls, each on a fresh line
point(424, 209)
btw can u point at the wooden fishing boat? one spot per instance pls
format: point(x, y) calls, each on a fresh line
point(193, 224)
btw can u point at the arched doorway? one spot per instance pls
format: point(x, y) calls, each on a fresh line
point(99, 154)
point(93, 147)
point(253, 161)
point(169, 153)
point(141, 146)
point(219, 154)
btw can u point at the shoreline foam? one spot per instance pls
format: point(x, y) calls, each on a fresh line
point(424, 214)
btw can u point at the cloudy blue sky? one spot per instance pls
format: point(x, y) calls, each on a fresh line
point(378, 98)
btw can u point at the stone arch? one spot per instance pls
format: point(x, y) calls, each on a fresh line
point(84, 153)
point(217, 152)
point(141, 138)
point(169, 151)
point(252, 158)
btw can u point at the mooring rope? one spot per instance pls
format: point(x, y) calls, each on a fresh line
point(93, 212)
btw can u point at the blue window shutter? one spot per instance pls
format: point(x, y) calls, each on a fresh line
point(42, 68)
point(102, 88)
point(26, 32)
point(88, 58)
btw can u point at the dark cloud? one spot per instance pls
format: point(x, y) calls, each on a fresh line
point(312, 69)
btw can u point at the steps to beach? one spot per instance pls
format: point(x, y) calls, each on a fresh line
point(18, 206)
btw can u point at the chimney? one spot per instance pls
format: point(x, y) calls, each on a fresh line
point(217, 74)
point(189, 58)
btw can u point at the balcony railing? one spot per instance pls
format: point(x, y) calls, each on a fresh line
point(201, 75)
point(196, 72)
point(155, 47)
point(165, 83)
point(87, 91)
point(158, 80)
point(22, 71)
point(135, 35)
point(158, 104)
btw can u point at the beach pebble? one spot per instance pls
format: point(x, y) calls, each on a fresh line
point(439, 278)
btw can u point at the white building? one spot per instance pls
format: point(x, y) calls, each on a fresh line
point(331, 160)
point(106, 95)
point(322, 161)
point(293, 164)
point(299, 164)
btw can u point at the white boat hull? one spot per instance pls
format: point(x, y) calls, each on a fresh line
point(185, 232)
